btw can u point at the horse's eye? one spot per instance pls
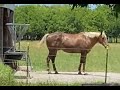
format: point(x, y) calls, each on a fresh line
point(103, 38)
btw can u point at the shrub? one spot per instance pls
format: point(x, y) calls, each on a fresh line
point(6, 75)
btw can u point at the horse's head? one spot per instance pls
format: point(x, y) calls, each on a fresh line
point(103, 39)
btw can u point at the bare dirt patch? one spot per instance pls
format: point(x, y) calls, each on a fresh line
point(68, 77)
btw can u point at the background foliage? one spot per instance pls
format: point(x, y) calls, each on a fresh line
point(48, 19)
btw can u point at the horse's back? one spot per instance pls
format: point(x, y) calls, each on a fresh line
point(65, 41)
point(54, 39)
point(61, 37)
point(54, 36)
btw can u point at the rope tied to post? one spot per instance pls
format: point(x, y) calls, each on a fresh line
point(106, 63)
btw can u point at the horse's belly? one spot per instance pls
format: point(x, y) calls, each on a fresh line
point(75, 50)
point(72, 50)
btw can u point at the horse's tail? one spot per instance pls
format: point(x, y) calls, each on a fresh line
point(43, 39)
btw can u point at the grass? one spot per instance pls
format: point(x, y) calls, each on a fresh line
point(6, 75)
point(7, 79)
point(96, 60)
point(69, 62)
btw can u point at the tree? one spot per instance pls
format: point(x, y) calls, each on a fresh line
point(48, 19)
point(114, 7)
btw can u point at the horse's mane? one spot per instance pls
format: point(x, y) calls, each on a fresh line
point(94, 34)
point(87, 34)
point(91, 34)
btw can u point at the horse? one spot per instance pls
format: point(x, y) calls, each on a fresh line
point(72, 43)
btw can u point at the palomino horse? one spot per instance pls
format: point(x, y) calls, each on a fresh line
point(72, 43)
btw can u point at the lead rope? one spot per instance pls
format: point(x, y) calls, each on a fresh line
point(106, 65)
point(28, 61)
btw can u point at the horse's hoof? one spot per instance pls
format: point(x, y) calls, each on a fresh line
point(85, 74)
point(49, 72)
point(56, 73)
point(79, 73)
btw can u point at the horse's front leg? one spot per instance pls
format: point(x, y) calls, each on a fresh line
point(84, 69)
point(82, 63)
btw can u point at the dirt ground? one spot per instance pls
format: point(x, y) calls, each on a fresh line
point(68, 77)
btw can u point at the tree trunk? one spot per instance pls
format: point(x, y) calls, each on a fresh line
point(116, 40)
point(110, 39)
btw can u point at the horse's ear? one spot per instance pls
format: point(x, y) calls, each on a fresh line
point(101, 32)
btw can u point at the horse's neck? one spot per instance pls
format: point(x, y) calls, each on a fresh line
point(94, 41)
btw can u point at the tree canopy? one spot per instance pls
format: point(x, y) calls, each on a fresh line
point(114, 7)
point(48, 19)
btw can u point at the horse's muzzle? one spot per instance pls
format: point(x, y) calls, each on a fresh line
point(106, 46)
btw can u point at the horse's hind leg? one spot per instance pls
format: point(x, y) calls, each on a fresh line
point(48, 67)
point(84, 69)
point(52, 55)
point(53, 63)
point(79, 68)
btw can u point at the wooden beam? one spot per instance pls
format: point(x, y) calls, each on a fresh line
point(7, 37)
point(10, 20)
point(1, 33)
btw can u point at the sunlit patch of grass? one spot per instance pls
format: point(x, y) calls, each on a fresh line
point(6, 75)
point(96, 62)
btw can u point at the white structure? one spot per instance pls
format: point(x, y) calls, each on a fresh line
point(9, 6)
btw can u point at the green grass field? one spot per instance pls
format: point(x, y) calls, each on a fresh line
point(69, 62)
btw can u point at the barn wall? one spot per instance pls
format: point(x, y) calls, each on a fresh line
point(1, 33)
point(7, 38)
point(6, 16)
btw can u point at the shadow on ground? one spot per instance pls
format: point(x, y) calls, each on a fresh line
point(102, 84)
point(20, 77)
